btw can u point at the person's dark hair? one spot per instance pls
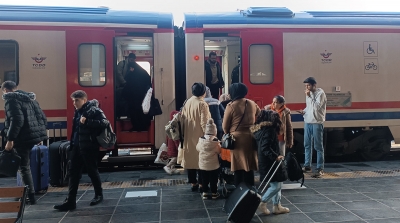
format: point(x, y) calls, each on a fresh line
point(212, 53)
point(270, 116)
point(198, 89)
point(237, 91)
point(132, 55)
point(310, 80)
point(280, 99)
point(79, 94)
point(9, 85)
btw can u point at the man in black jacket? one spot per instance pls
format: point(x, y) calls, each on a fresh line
point(213, 73)
point(25, 126)
point(89, 121)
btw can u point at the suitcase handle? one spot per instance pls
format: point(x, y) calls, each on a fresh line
point(280, 162)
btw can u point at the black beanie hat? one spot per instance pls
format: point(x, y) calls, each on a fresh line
point(198, 89)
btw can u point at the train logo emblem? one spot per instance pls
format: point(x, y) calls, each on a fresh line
point(325, 57)
point(38, 59)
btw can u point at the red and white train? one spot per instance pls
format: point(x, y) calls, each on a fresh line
point(54, 51)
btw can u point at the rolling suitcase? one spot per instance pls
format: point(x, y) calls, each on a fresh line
point(59, 153)
point(39, 163)
point(242, 204)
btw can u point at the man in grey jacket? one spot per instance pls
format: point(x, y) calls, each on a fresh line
point(314, 118)
point(122, 69)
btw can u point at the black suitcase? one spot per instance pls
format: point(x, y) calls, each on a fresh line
point(242, 204)
point(59, 162)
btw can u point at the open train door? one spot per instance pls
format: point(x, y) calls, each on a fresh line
point(262, 65)
point(90, 68)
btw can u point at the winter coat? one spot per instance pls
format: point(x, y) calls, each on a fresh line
point(194, 118)
point(25, 123)
point(268, 151)
point(244, 155)
point(208, 72)
point(286, 129)
point(95, 122)
point(173, 145)
point(217, 112)
point(208, 148)
point(122, 69)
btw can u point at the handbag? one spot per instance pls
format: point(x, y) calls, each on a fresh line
point(9, 163)
point(228, 139)
point(155, 108)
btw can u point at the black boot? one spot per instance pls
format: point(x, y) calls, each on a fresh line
point(67, 205)
point(96, 200)
point(31, 199)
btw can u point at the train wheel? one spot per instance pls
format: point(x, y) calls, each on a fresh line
point(376, 150)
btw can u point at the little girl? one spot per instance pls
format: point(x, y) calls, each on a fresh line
point(209, 148)
point(172, 152)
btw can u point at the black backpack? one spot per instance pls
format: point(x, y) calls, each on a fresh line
point(295, 173)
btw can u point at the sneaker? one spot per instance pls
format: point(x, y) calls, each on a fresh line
point(306, 169)
point(175, 171)
point(167, 170)
point(205, 196)
point(263, 208)
point(215, 196)
point(319, 173)
point(31, 199)
point(278, 209)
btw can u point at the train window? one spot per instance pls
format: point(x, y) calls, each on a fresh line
point(261, 64)
point(9, 61)
point(145, 65)
point(92, 65)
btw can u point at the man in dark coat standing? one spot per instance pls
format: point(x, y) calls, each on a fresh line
point(138, 82)
point(25, 126)
point(213, 73)
point(89, 120)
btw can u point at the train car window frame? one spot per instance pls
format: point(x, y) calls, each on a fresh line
point(260, 59)
point(102, 83)
point(16, 59)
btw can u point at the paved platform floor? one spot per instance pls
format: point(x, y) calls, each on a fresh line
point(368, 192)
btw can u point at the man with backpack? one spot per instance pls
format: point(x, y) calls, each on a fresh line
point(89, 121)
point(123, 68)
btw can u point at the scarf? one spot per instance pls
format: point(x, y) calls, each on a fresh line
point(279, 111)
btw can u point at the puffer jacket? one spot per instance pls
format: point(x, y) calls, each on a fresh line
point(95, 122)
point(25, 122)
point(208, 148)
point(268, 151)
point(217, 112)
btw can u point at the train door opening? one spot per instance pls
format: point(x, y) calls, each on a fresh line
point(228, 55)
point(131, 145)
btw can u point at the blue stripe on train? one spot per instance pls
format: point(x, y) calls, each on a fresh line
point(354, 116)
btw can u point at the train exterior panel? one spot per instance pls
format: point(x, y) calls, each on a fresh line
point(352, 55)
point(59, 50)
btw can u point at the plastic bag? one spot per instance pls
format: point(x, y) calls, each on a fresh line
point(162, 155)
point(180, 155)
point(146, 104)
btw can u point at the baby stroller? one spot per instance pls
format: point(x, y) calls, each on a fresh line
point(226, 176)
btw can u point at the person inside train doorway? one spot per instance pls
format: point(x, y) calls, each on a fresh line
point(123, 69)
point(235, 74)
point(213, 74)
point(138, 82)
point(314, 118)
point(89, 120)
point(24, 126)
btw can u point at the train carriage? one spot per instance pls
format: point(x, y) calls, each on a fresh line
point(352, 55)
point(54, 51)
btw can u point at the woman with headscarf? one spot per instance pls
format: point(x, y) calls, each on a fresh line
point(285, 135)
point(194, 116)
point(244, 155)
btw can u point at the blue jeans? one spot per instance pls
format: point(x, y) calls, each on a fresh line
point(273, 192)
point(314, 132)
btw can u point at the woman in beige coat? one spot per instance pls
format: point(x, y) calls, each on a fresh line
point(285, 136)
point(244, 155)
point(195, 114)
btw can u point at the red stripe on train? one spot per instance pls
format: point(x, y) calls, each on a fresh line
point(49, 113)
point(354, 105)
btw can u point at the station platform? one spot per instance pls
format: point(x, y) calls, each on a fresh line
point(348, 192)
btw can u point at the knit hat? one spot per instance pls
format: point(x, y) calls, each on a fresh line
point(198, 89)
point(211, 128)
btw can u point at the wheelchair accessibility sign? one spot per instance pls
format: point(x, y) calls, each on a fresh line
point(370, 49)
point(338, 99)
